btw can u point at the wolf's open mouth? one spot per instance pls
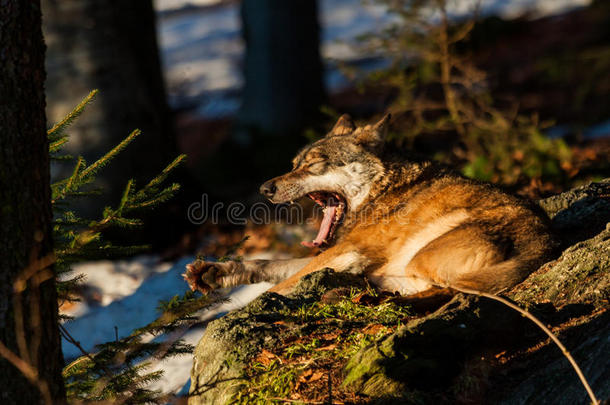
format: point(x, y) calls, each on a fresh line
point(333, 206)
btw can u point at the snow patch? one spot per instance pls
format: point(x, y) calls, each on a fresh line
point(172, 5)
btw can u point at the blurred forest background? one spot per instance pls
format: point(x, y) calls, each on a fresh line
point(512, 92)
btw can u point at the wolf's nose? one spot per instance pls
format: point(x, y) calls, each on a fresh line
point(268, 189)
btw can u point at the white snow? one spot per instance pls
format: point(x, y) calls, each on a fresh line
point(200, 53)
point(170, 5)
point(111, 280)
point(342, 21)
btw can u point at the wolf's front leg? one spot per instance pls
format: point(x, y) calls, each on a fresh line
point(341, 257)
point(207, 276)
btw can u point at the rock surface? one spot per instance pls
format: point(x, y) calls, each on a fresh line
point(470, 350)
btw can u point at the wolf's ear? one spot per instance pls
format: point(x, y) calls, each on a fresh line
point(344, 126)
point(374, 135)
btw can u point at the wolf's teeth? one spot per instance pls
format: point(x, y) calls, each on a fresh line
point(338, 213)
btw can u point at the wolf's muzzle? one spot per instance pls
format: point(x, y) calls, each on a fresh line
point(268, 189)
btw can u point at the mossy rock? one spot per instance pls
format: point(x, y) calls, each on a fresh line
point(546, 377)
point(427, 354)
point(580, 276)
point(230, 342)
point(314, 285)
point(580, 213)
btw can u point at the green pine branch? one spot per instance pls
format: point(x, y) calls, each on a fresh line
point(118, 370)
point(57, 130)
point(87, 174)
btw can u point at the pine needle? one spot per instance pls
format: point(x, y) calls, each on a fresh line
point(56, 145)
point(58, 128)
point(103, 161)
point(165, 172)
point(125, 197)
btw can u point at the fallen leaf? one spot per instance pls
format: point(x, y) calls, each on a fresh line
point(373, 329)
point(326, 348)
point(266, 357)
point(310, 376)
point(330, 335)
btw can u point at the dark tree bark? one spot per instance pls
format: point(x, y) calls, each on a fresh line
point(109, 45)
point(25, 210)
point(283, 90)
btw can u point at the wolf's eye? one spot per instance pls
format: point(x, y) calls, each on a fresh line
point(317, 167)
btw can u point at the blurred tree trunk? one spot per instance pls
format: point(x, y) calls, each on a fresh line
point(282, 95)
point(110, 45)
point(283, 87)
point(25, 211)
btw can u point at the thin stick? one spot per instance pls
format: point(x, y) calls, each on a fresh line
point(546, 330)
point(303, 401)
point(109, 376)
point(64, 332)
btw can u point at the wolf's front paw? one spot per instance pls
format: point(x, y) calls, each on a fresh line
point(206, 276)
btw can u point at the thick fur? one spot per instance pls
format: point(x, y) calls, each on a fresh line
point(410, 224)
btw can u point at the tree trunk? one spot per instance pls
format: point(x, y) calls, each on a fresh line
point(282, 96)
point(109, 45)
point(25, 212)
point(283, 90)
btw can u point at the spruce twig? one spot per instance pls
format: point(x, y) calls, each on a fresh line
point(68, 119)
point(110, 374)
point(87, 173)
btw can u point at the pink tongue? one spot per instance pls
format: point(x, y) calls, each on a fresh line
point(327, 221)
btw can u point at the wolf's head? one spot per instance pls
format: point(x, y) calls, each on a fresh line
point(337, 172)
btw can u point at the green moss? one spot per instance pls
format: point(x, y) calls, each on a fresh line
point(315, 284)
point(388, 313)
point(279, 379)
point(298, 334)
point(273, 382)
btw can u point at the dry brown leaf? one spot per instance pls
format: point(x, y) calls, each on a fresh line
point(326, 348)
point(330, 335)
point(265, 357)
point(373, 329)
point(310, 376)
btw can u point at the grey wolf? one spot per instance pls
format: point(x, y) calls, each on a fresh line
point(410, 225)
